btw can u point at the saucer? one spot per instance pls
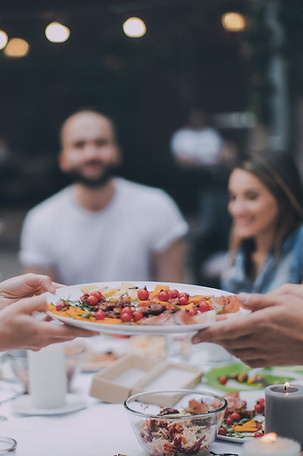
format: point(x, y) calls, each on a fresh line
point(23, 405)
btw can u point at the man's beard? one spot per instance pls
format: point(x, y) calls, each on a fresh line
point(76, 176)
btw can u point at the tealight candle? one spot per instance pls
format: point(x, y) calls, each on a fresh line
point(271, 445)
point(284, 411)
point(47, 377)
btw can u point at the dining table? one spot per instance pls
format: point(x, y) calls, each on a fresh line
point(95, 428)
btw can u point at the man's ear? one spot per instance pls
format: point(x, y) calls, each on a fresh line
point(119, 156)
point(61, 161)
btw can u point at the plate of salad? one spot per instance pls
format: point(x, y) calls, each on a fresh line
point(242, 420)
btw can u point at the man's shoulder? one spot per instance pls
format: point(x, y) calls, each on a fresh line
point(52, 204)
point(141, 192)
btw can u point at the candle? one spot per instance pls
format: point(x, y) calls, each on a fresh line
point(271, 445)
point(284, 411)
point(47, 377)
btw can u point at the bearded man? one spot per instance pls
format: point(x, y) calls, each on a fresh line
point(102, 227)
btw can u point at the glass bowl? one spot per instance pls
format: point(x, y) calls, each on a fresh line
point(73, 360)
point(175, 422)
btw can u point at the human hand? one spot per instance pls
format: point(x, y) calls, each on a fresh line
point(270, 336)
point(19, 328)
point(22, 286)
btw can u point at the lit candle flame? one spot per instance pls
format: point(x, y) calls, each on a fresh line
point(286, 386)
point(269, 438)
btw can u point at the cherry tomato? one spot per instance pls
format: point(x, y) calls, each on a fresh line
point(100, 315)
point(261, 402)
point(235, 416)
point(137, 315)
point(183, 299)
point(229, 421)
point(258, 434)
point(126, 317)
point(84, 297)
point(222, 380)
point(222, 431)
point(204, 306)
point(193, 311)
point(173, 294)
point(92, 300)
point(127, 310)
point(61, 306)
point(163, 295)
point(143, 294)
point(98, 295)
point(259, 408)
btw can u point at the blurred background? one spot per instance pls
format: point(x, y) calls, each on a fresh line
point(239, 60)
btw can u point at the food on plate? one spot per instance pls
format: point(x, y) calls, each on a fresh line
point(239, 377)
point(242, 377)
point(131, 305)
point(179, 437)
point(239, 421)
point(149, 346)
point(93, 360)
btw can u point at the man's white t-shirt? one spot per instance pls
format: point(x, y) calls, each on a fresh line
point(115, 243)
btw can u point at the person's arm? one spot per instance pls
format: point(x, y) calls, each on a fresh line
point(21, 298)
point(22, 286)
point(186, 162)
point(19, 328)
point(272, 335)
point(169, 264)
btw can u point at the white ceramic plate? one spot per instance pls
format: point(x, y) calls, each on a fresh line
point(73, 403)
point(250, 397)
point(74, 292)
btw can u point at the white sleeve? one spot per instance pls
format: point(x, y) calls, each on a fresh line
point(180, 144)
point(36, 241)
point(168, 224)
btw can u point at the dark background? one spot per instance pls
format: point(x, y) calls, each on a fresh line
point(146, 85)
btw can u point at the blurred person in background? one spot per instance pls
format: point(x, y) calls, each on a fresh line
point(101, 227)
point(21, 298)
point(197, 144)
point(266, 242)
point(203, 160)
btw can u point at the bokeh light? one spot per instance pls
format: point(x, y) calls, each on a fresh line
point(233, 22)
point(134, 27)
point(3, 39)
point(16, 47)
point(57, 33)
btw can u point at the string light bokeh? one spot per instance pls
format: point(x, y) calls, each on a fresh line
point(134, 27)
point(3, 39)
point(16, 47)
point(57, 33)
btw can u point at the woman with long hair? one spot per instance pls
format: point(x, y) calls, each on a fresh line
point(266, 241)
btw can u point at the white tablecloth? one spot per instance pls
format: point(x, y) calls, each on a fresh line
point(98, 430)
